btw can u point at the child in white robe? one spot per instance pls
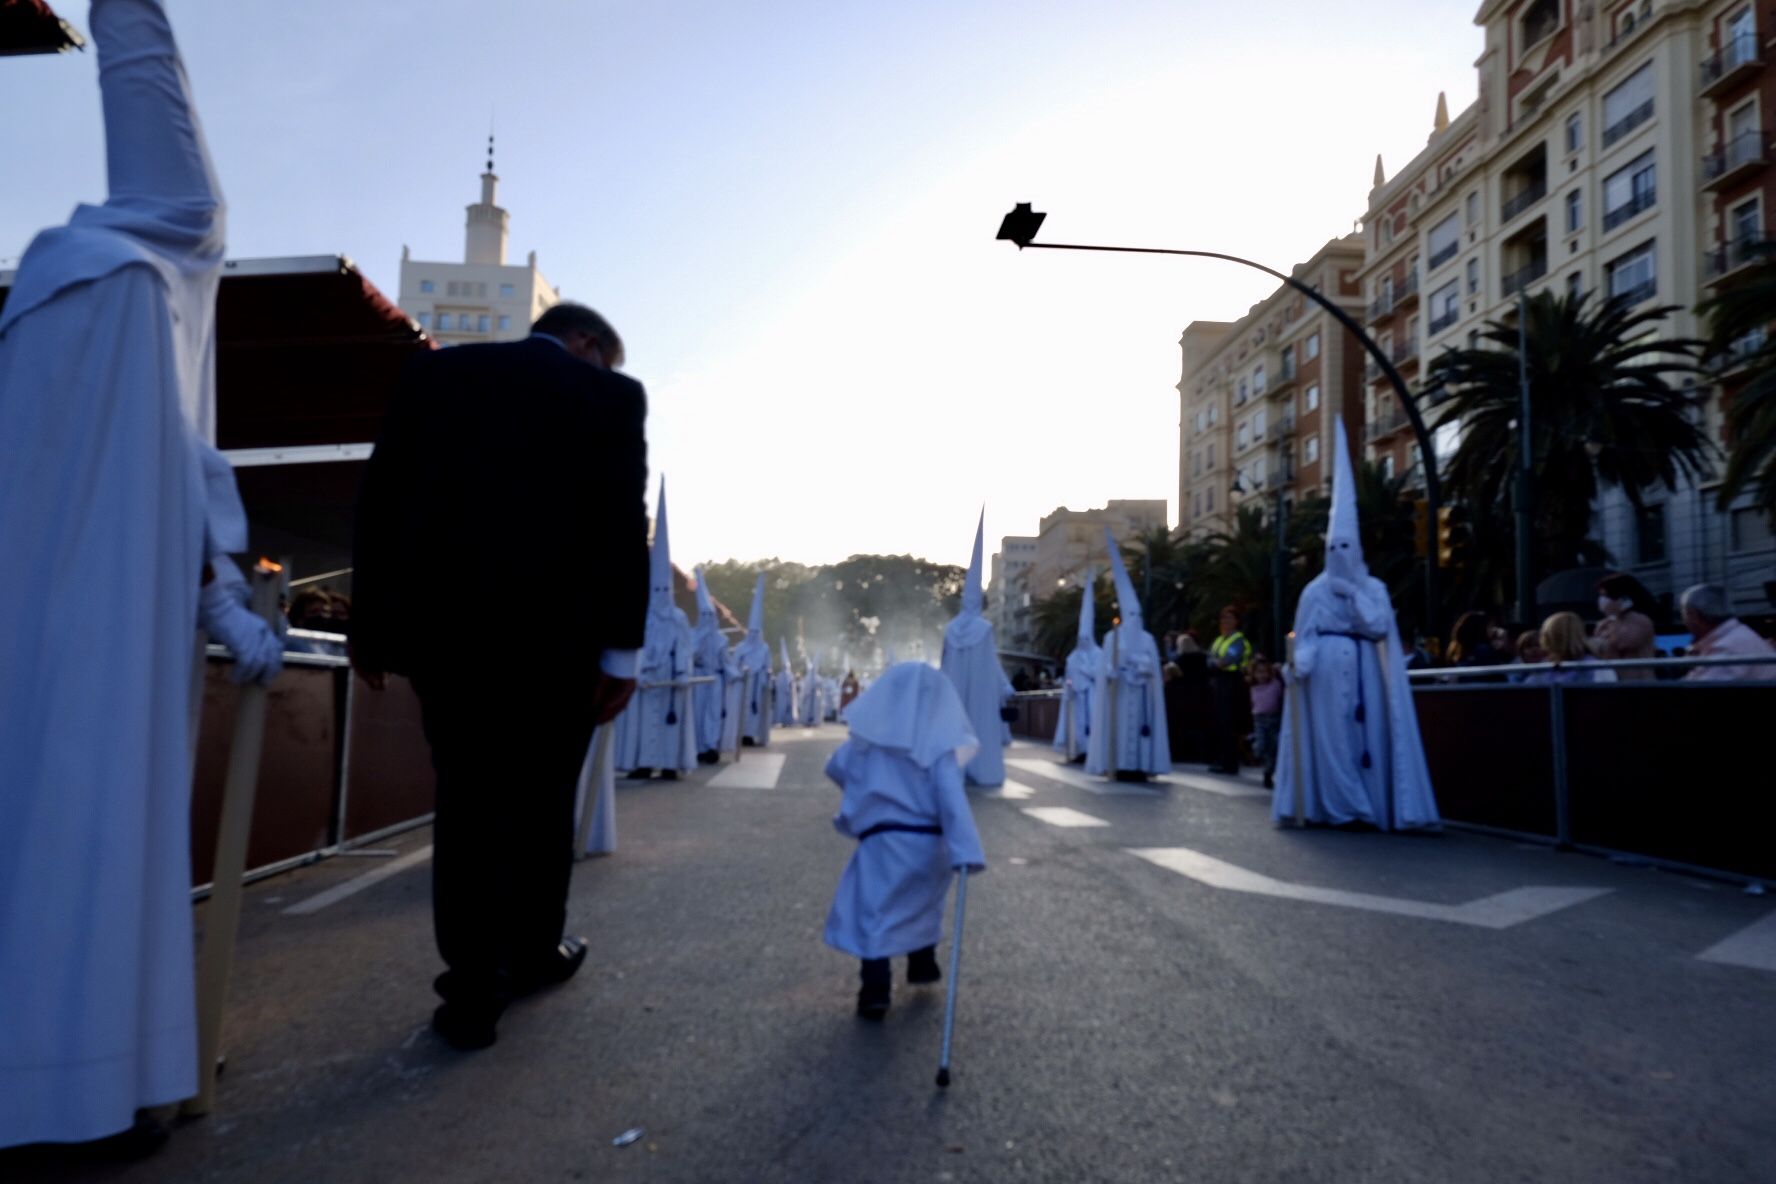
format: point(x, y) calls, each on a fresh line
point(901, 772)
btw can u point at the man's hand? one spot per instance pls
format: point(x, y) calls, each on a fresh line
point(378, 679)
point(1342, 587)
point(609, 697)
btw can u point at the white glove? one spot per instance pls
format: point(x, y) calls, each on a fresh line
point(222, 611)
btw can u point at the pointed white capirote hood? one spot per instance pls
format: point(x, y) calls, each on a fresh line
point(1088, 609)
point(783, 651)
point(971, 587)
point(1128, 605)
point(1344, 540)
point(755, 620)
point(705, 604)
point(660, 560)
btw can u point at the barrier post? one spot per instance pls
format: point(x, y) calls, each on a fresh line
point(222, 920)
point(1562, 797)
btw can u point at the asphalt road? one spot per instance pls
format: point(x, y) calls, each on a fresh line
point(1120, 1021)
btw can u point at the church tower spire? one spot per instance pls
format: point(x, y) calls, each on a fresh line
point(484, 239)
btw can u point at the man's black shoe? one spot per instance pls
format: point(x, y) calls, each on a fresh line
point(669, 774)
point(872, 1002)
point(562, 964)
point(465, 1029)
point(639, 774)
point(708, 758)
point(748, 742)
point(922, 966)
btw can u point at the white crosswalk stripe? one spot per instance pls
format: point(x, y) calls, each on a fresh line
point(1068, 775)
point(1753, 946)
point(1061, 816)
point(752, 771)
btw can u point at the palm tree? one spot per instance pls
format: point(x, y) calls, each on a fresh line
point(1166, 600)
point(1607, 410)
point(1738, 318)
point(1236, 567)
point(1056, 617)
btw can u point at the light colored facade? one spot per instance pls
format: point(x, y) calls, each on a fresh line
point(1011, 600)
point(1068, 542)
point(1615, 148)
point(1258, 396)
point(482, 298)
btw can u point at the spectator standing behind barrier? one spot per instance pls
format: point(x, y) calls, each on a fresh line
point(1228, 657)
point(525, 457)
point(1267, 714)
point(1720, 634)
point(1470, 642)
point(1626, 630)
point(1563, 643)
point(116, 521)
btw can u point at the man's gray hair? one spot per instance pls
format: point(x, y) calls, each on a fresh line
point(568, 317)
point(1708, 601)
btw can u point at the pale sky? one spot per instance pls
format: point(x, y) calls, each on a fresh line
point(788, 211)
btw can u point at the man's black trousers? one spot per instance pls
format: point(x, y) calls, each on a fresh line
point(508, 754)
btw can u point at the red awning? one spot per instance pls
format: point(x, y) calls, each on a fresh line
point(31, 26)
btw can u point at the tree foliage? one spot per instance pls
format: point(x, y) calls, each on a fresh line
point(1738, 318)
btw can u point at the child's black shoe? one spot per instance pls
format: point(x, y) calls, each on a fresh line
point(877, 990)
point(922, 966)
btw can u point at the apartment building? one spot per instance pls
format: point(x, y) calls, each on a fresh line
point(1068, 542)
point(1010, 601)
point(1614, 148)
point(1258, 396)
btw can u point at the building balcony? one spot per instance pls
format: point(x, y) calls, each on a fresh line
point(1523, 277)
point(1728, 258)
point(1639, 203)
point(1284, 430)
point(1627, 123)
point(1405, 353)
point(1444, 256)
point(1525, 198)
point(1405, 292)
point(1639, 293)
point(1440, 323)
point(1630, 22)
point(1387, 425)
point(1739, 354)
point(1737, 61)
point(1742, 156)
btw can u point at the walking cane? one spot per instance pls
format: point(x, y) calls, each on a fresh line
point(222, 921)
point(1295, 723)
point(1110, 715)
point(949, 1028)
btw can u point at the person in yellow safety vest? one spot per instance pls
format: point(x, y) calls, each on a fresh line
point(1228, 658)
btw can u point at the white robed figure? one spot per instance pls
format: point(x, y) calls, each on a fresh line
point(811, 704)
point(905, 804)
point(112, 501)
point(753, 658)
point(656, 730)
point(1128, 734)
point(709, 660)
point(1350, 748)
point(971, 662)
point(1079, 683)
point(784, 708)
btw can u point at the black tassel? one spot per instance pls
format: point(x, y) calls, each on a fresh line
point(1367, 763)
point(1361, 714)
point(1146, 731)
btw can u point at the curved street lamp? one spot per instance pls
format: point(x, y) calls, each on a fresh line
point(1020, 227)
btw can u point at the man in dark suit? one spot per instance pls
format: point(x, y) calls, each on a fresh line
point(522, 465)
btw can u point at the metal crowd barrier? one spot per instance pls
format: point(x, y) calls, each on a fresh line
point(1667, 772)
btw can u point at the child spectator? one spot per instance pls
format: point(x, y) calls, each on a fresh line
point(1267, 714)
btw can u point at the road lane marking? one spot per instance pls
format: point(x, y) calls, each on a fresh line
point(1226, 787)
point(1068, 775)
point(1500, 911)
point(1011, 791)
point(1061, 816)
point(760, 771)
point(1753, 946)
point(357, 884)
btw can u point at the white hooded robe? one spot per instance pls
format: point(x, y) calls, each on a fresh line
point(1350, 749)
point(1079, 684)
point(656, 730)
point(902, 766)
point(1128, 703)
point(971, 663)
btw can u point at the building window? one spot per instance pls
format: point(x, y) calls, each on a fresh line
point(1629, 105)
point(1209, 456)
point(451, 288)
point(1258, 425)
point(1751, 531)
point(1244, 435)
point(1649, 534)
point(507, 291)
point(427, 286)
point(505, 323)
point(1288, 362)
point(1214, 413)
point(1444, 241)
point(1313, 346)
point(462, 322)
point(1540, 20)
point(1473, 209)
point(1310, 450)
point(1445, 306)
point(1575, 132)
point(1574, 284)
point(419, 318)
point(1744, 225)
point(1473, 276)
point(1387, 467)
point(1258, 381)
point(1575, 211)
point(1632, 277)
point(1629, 190)
point(1241, 396)
point(481, 325)
point(1311, 400)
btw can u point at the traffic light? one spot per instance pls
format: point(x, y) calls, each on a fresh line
point(1446, 536)
point(1421, 527)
